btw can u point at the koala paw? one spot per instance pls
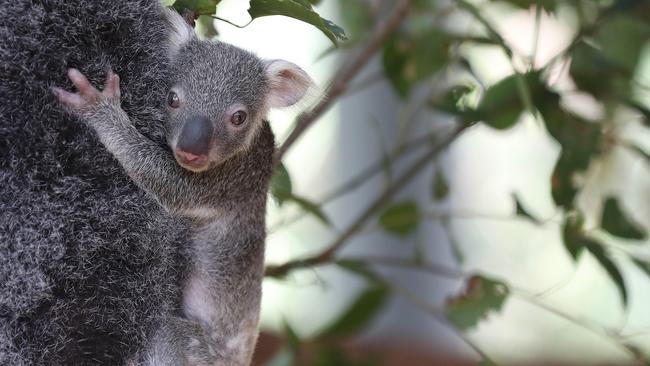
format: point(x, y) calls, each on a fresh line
point(88, 97)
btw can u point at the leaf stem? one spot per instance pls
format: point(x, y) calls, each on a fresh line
point(231, 23)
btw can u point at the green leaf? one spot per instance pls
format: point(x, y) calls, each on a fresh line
point(309, 207)
point(596, 249)
point(199, 7)
point(281, 187)
point(617, 223)
point(360, 313)
point(613, 30)
point(521, 211)
point(501, 105)
point(395, 59)
point(410, 59)
point(576, 242)
point(482, 295)
point(297, 9)
point(605, 65)
point(401, 218)
point(580, 141)
point(356, 17)
point(572, 235)
point(440, 189)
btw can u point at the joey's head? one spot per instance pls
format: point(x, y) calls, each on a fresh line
point(220, 95)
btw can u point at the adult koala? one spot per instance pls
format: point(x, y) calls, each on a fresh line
point(88, 262)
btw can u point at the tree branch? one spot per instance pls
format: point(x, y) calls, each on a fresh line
point(362, 177)
point(345, 76)
point(383, 199)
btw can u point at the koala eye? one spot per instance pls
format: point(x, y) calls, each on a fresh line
point(238, 118)
point(173, 100)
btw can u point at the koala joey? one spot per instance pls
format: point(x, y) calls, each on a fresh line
point(214, 172)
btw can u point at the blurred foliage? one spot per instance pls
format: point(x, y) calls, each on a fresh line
point(602, 60)
point(481, 296)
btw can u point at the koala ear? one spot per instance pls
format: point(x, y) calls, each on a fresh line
point(288, 83)
point(179, 31)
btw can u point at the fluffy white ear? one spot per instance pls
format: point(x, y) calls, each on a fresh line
point(288, 83)
point(180, 32)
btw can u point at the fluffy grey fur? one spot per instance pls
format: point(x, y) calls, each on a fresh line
point(222, 197)
point(88, 262)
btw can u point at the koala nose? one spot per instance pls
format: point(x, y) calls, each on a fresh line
point(196, 136)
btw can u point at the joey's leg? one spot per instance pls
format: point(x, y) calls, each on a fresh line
point(151, 167)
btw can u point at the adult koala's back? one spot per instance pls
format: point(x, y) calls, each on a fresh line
point(87, 261)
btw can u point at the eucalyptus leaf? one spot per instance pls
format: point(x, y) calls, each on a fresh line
point(281, 187)
point(572, 236)
point(597, 250)
point(501, 105)
point(482, 295)
point(617, 223)
point(409, 59)
point(356, 16)
point(199, 7)
point(401, 218)
point(297, 9)
point(576, 242)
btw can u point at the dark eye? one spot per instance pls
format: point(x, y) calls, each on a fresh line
point(238, 118)
point(173, 100)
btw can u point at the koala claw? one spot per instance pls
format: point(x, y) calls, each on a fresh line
point(88, 96)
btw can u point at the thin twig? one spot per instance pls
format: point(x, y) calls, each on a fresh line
point(584, 324)
point(434, 269)
point(361, 178)
point(370, 211)
point(343, 79)
point(231, 23)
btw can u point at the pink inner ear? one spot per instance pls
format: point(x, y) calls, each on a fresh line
point(288, 84)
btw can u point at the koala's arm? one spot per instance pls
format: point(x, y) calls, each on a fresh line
point(149, 165)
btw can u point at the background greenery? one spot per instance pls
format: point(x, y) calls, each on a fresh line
point(423, 55)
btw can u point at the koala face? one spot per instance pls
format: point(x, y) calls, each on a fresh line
point(220, 95)
point(216, 103)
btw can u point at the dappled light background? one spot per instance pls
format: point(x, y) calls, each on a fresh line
point(561, 310)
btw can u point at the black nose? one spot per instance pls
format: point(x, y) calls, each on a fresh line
point(196, 136)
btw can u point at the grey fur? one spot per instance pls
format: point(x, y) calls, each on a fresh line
point(89, 264)
point(224, 198)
